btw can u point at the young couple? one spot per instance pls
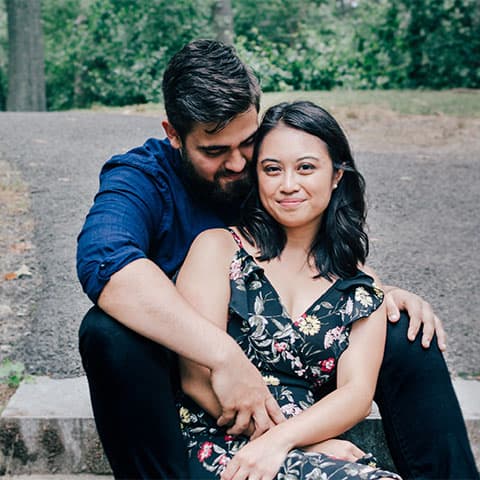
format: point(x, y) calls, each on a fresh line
point(287, 282)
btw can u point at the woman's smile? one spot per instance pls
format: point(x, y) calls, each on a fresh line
point(291, 203)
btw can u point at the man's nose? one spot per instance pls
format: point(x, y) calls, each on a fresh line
point(236, 162)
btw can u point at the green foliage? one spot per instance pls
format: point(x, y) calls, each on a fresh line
point(419, 43)
point(293, 45)
point(376, 44)
point(11, 373)
point(114, 52)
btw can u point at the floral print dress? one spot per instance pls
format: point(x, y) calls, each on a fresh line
point(295, 357)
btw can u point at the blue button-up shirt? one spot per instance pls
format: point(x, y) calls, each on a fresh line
point(142, 210)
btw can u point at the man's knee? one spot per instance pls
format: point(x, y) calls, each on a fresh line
point(406, 357)
point(108, 347)
point(96, 339)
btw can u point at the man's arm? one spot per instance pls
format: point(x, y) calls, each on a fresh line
point(143, 298)
point(419, 311)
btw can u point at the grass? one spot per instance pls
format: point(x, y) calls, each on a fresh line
point(11, 373)
point(458, 102)
point(461, 103)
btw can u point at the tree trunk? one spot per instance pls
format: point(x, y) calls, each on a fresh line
point(223, 20)
point(26, 65)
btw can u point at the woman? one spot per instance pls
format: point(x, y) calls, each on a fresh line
point(289, 284)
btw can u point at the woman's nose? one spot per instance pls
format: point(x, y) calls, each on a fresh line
point(290, 182)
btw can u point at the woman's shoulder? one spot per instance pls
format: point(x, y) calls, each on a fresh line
point(216, 240)
point(367, 270)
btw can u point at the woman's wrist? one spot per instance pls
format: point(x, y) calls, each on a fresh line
point(283, 435)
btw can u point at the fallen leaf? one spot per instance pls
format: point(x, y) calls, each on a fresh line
point(23, 271)
point(10, 276)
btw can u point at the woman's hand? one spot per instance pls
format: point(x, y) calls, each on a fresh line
point(421, 315)
point(260, 459)
point(337, 448)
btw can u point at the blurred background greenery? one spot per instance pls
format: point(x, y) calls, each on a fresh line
point(113, 52)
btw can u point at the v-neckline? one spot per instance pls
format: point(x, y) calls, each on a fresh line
point(279, 298)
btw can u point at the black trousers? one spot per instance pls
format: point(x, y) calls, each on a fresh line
point(132, 383)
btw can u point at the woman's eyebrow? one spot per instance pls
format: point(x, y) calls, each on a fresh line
point(309, 157)
point(305, 157)
point(269, 160)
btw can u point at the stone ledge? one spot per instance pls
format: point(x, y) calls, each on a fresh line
point(48, 428)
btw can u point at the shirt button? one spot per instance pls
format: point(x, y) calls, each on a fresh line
point(102, 266)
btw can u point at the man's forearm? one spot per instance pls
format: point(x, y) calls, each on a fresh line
point(144, 299)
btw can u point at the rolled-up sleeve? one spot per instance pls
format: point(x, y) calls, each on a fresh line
point(119, 227)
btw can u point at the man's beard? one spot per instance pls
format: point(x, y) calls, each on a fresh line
point(223, 195)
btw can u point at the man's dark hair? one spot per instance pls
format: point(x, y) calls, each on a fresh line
point(341, 242)
point(206, 82)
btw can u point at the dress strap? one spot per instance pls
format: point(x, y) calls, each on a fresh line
point(235, 236)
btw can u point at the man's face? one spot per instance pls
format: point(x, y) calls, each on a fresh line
point(215, 163)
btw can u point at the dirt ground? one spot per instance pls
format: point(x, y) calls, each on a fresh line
point(383, 131)
point(17, 248)
point(369, 130)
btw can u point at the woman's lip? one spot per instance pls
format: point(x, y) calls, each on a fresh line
point(290, 201)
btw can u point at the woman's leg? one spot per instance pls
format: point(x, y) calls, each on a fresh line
point(132, 383)
point(421, 416)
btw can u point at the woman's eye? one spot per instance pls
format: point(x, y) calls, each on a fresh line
point(271, 169)
point(306, 167)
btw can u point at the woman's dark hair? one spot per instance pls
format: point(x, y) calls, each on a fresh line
point(206, 82)
point(341, 242)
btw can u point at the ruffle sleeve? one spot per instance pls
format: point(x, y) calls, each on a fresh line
point(360, 297)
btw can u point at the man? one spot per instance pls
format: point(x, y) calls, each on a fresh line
point(151, 204)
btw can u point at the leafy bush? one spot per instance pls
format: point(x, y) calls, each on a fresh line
point(114, 52)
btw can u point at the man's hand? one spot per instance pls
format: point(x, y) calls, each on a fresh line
point(247, 404)
point(420, 313)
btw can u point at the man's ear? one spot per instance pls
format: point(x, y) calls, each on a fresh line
point(172, 134)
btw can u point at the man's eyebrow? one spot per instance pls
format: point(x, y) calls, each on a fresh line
point(250, 139)
point(211, 148)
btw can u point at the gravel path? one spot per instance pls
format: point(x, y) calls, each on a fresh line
point(423, 219)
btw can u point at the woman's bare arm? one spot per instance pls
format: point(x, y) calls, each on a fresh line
point(204, 282)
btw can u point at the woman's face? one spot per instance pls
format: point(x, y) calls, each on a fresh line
point(295, 177)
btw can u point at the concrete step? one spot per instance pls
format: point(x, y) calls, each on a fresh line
point(48, 428)
point(61, 476)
